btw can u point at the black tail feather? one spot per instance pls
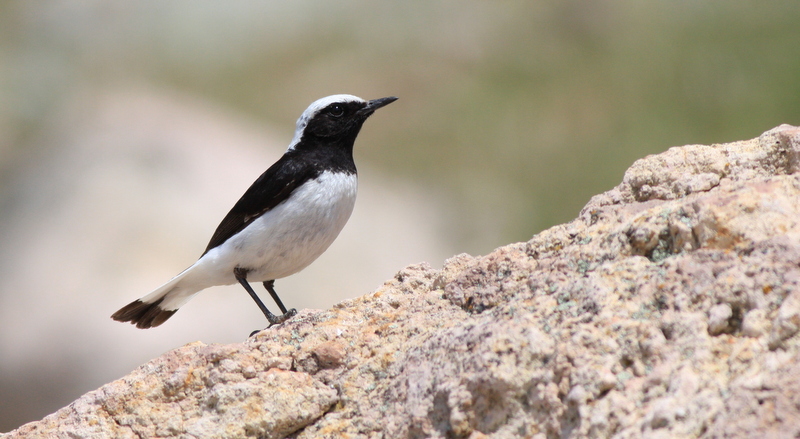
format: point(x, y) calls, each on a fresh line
point(143, 315)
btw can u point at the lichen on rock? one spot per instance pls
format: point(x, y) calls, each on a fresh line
point(669, 308)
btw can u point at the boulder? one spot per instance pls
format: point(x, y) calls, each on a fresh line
point(669, 308)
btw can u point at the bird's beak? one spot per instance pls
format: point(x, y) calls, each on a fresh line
point(375, 104)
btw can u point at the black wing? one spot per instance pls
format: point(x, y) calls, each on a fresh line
point(273, 187)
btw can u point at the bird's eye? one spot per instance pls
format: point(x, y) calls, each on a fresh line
point(336, 110)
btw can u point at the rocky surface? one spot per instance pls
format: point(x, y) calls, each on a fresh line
point(669, 308)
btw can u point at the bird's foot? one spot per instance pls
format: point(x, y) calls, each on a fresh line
point(276, 320)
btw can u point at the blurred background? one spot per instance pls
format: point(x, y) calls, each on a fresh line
point(127, 131)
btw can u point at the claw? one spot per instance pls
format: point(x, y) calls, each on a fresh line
point(277, 320)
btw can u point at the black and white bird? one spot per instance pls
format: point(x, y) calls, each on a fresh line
point(287, 218)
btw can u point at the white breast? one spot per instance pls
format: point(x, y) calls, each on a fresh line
point(286, 239)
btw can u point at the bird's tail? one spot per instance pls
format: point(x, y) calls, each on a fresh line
point(156, 307)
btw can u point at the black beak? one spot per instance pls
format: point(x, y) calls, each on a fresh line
point(375, 104)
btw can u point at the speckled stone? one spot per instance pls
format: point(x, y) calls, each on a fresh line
point(668, 308)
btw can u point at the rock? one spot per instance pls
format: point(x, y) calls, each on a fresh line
point(718, 317)
point(668, 308)
point(199, 391)
point(787, 322)
point(754, 323)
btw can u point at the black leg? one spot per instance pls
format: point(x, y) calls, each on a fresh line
point(241, 276)
point(270, 286)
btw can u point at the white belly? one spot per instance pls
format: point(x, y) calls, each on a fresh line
point(286, 239)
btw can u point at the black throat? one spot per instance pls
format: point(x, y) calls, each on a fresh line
point(326, 154)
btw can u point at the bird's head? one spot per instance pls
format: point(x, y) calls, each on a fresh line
point(336, 118)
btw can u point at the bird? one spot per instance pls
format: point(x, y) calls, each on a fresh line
point(287, 218)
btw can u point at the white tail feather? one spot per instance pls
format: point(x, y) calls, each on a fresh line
point(174, 293)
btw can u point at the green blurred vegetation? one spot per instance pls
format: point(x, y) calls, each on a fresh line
point(512, 113)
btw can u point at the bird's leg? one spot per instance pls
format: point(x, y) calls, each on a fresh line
point(270, 287)
point(241, 276)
